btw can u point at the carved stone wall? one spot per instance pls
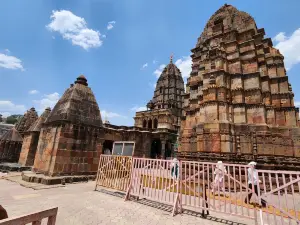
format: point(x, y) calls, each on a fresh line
point(238, 95)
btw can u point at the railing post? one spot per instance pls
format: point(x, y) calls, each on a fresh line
point(51, 220)
point(131, 179)
point(178, 195)
point(98, 173)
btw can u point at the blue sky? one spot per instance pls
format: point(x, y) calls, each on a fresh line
point(45, 45)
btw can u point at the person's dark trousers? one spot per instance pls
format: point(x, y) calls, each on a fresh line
point(263, 202)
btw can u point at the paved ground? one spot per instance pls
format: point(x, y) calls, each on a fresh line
point(79, 204)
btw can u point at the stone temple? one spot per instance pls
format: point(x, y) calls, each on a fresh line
point(239, 104)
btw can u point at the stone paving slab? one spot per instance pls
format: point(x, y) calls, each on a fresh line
point(79, 204)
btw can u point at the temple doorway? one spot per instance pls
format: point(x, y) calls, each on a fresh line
point(107, 147)
point(168, 150)
point(155, 149)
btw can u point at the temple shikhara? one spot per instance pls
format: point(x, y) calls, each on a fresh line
point(238, 106)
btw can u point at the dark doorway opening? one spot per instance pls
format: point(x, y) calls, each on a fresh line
point(155, 149)
point(150, 124)
point(107, 147)
point(155, 123)
point(168, 149)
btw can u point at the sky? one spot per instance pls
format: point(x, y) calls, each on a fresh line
point(120, 46)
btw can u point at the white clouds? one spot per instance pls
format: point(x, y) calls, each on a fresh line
point(10, 62)
point(7, 51)
point(47, 101)
point(105, 114)
point(297, 104)
point(152, 85)
point(154, 61)
point(280, 37)
point(74, 28)
point(110, 25)
point(33, 92)
point(158, 71)
point(8, 108)
point(184, 65)
point(289, 47)
point(144, 66)
point(138, 108)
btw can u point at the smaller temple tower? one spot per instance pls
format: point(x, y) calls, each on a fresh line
point(70, 138)
point(164, 111)
point(165, 108)
point(26, 121)
point(10, 146)
point(31, 138)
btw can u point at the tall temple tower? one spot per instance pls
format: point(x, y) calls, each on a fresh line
point(239, 104)
point(165, 108)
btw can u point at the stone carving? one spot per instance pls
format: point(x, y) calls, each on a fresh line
point(242, 81)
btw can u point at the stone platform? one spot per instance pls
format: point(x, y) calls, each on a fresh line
point(13, 167)
point(32, 177)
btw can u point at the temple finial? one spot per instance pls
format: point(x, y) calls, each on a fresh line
point(171, 58)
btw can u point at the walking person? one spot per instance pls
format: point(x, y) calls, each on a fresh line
point(253, 181)
point(219, 173)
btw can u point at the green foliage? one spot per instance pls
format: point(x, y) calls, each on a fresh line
point(13, 119)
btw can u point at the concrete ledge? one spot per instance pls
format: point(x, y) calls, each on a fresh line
point(13, 167)
point(32, 177)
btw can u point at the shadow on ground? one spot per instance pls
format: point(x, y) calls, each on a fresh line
point(168, 208)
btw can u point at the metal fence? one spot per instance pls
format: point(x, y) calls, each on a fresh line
point(270, 197)
point(114, 172)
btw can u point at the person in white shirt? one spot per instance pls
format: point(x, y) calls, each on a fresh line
point(254, 181)
point(219, 173)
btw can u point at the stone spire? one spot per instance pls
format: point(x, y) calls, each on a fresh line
point(37, 125)
point(238, 86)
point(169, 89)
point(27, 120)
point(77, 105)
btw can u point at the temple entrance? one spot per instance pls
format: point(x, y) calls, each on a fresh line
point(107, 147)
point(155, 149)
point(168, 150)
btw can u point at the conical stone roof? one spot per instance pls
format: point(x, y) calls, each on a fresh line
point(77, 105)
point(169, 88)
point(37, 125)
point(27, 120)
point(12, 135)
point(234, 20)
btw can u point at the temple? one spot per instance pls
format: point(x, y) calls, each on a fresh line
point(239, 104)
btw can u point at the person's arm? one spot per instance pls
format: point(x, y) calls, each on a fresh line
point(250, 175)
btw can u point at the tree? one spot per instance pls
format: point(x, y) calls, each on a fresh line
point(13, 119)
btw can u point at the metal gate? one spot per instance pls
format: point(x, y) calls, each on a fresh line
point(281, 191)
point(114, 172)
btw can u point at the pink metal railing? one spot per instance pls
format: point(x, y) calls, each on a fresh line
point(195, 187)
point(114, 172)
point(151, 179)
point(281, 190)
point(227, 195)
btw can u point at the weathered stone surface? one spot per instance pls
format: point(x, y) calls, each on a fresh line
point(31, 138)
point(70, 138)
point(10, 146)
point(244, 84)
point(26, 121)
point(166, 104)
